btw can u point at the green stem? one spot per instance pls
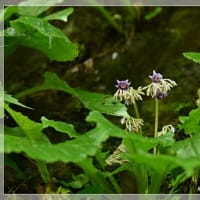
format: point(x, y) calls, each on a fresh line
point(136, 110)
point(109, 17)
point(138, 169)
point(137, 114)
point(94, 175)
point(42, 167)
point(29, 91)
point(156, 123)
point(195, 177)
point(115, 184)
point(111, 178)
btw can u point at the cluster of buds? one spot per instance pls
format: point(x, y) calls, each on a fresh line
point(115, 158)
point(126, 93)
point(129, 96)
point(132, 124)
point(159, 86)
point(165, 129)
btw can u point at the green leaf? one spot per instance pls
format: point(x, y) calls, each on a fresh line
point(7, 12)
point(100, 102)
point(188, 148)
point(191, 124)
point(16, 131)
point(40, 2)
point(93, 101)
point(167, 139)
point(153, 13)
point(10, 163)
point(75, 150)
point(198, 92)
point(70, 151)
point(60, 126)
point(78, 181)
point(31, 10)
point(160, 165)
point(30, 128)
point(193, 56)
point(60, 15)
point(10, 99)
point(39, 34)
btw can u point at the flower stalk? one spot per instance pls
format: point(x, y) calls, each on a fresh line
point(156, 123)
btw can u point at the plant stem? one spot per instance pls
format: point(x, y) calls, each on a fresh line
point(109, 17)
point(137, 114)
point(111, 178)
point(94, 175)
point(156, 123)
point(194, 180)
point(136, 110)
point(42, 167)
point(115, 184)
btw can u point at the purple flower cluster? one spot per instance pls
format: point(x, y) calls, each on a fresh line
point(157, 78)
point(161, 95)
point(123, 85)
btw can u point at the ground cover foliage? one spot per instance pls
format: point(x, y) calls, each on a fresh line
point(65, 132)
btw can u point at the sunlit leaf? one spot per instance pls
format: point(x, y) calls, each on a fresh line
point(31, 129)
point(93, 101)
point(32, 10)
point(193, 56)
point(39, 34)
point(191, 123)
point(60, 15)
point(7, 12)
point(188, 148)
point(10, 99)
point(40, 2)
point(60, 126)
point(75, 150)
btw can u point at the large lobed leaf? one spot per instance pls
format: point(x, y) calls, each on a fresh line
point(60, 126)
point(39, 34)
point(31, 129)
point(191, 123)
point(188, 148)
point(91, 100)
point(10, 99)
point(74, 150)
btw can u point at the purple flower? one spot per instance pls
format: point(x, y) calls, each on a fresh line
point(123, 85)
point(161, 95)
point(156, 77)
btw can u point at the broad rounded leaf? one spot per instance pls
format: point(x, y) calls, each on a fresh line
point(39, 34)
point(191, 124)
